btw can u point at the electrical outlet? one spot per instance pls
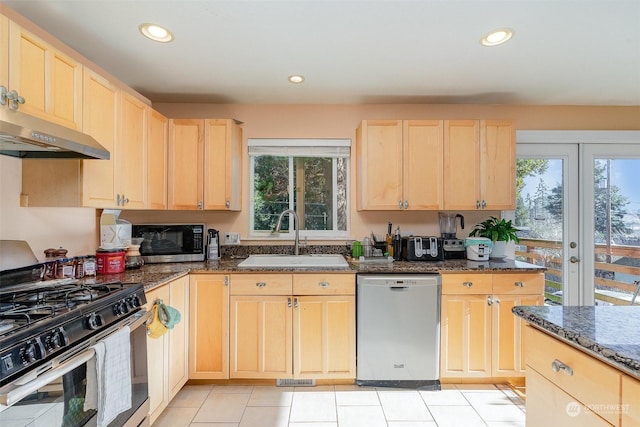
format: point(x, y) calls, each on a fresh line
point(232, 238)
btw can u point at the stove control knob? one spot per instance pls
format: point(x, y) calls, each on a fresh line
point(94, 321)
point(130, 304)
point(120, 308)
point(135, 300)
point(59, 339)
point(32, 352)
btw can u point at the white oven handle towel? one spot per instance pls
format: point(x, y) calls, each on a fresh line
point(109, 377)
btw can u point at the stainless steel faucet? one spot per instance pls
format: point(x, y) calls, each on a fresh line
point(296, 247)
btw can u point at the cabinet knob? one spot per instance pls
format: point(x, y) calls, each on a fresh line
point(406, 204)
point(323, 284)
point(399, 204)
point(489, 300)
point(226, 280)
point(227, 204)
point(295, 302)
point(519, 284)
point(477, 204)
point(200, 204)
point(483, 204)
point(558, 366)
point(467, 284)
point(289, 302)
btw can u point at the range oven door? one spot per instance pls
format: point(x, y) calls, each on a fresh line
point(56, 397)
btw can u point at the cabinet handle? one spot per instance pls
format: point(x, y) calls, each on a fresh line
point(467, 284)
point(496, 300)
point(227, 204)
point(124, 200)
point(519, 284)
point(200, 205)
point(295, 303)
point(484, 204)
point(289, 302)
point(10, 97)
point(489, 300)
point(226, 280)
point(406, 204)
point(477, 204)
point(261, 284)
point(558, 366)
point(323, 284)
point(399, 204)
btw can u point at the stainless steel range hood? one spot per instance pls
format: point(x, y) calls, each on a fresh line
point(25, 136)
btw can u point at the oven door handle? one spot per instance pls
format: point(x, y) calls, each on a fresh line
point(25, 390)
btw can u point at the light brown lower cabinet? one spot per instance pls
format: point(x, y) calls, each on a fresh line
point(479, 336)
point(209, 323)
point(568, 387)
point(292, 326)
point(167, 358)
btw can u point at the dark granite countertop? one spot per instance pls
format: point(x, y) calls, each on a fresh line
point(609, 333)
point(152, 275)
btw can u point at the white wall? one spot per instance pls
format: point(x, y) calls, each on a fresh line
point(72, 228)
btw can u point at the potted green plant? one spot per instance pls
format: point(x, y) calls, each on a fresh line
point(499, 231)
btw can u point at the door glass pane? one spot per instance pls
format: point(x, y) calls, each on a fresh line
point(540, 213)
point(617, 230)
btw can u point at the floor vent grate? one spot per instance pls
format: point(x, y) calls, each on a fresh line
point(287, 382)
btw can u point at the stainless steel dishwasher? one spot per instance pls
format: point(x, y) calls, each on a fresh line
point(398, 331)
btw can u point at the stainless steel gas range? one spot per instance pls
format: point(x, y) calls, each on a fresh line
point(50, 332)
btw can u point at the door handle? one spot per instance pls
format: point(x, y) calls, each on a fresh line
point(574, 259)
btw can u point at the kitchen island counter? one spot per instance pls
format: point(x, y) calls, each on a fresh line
point(609, 333)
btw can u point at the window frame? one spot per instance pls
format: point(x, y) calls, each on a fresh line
point(295, 148)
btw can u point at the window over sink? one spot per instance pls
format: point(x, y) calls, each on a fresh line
point(310, 176)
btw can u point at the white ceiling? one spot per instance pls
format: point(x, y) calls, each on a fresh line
point(564, 52)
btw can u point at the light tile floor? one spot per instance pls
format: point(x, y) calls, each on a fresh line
point(465, 405)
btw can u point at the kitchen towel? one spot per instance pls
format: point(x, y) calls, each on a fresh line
point(109, 377)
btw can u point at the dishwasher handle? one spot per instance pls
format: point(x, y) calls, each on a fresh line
point(398, 288)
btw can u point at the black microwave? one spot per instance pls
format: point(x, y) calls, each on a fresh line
point(170, 242)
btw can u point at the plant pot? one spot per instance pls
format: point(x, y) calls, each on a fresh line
point(499, 250)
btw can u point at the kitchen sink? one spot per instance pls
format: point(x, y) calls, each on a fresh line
point(295, 261)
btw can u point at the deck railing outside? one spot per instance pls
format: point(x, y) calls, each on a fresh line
point(617, 267)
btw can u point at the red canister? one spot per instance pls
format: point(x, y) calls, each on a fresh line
point(110, 261)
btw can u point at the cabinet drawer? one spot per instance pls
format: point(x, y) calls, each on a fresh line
point(324, 284)
point(457, 284)
point(591, 382)
point(548, 405)
point(261, 284)
point(522, 283)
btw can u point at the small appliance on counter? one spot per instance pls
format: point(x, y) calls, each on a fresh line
point(478, 248)
point(453, 247)
point(416, 248)
point(213, 244)
point(171, 242)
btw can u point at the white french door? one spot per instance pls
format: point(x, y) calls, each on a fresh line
point(579, 209)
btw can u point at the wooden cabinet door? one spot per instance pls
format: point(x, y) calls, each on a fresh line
point(101, 121)
point(465, 336)
point(379, 164)
point(4, 51)
point(498, 164)
point(507, 345)
point(131, 162)
point(209, 326)
point(324, 337)
point(222, 165)
point(49, 81)
point(157, 161)
point(186, 149)
point(178, 337)
point(461, 164)
point(422, 165)
point(261, 337)
point(630, 401)
point(157, 358)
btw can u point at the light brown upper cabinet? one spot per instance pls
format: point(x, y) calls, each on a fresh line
point(479, 165)
point(205, 164)
point(399, 164)
point(157, 146)
point(4, 51)
point(131, 159)
point(49, 81)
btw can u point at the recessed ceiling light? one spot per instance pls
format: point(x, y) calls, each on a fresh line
point(296, 78)
point(496, 37)
point(156, 32)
